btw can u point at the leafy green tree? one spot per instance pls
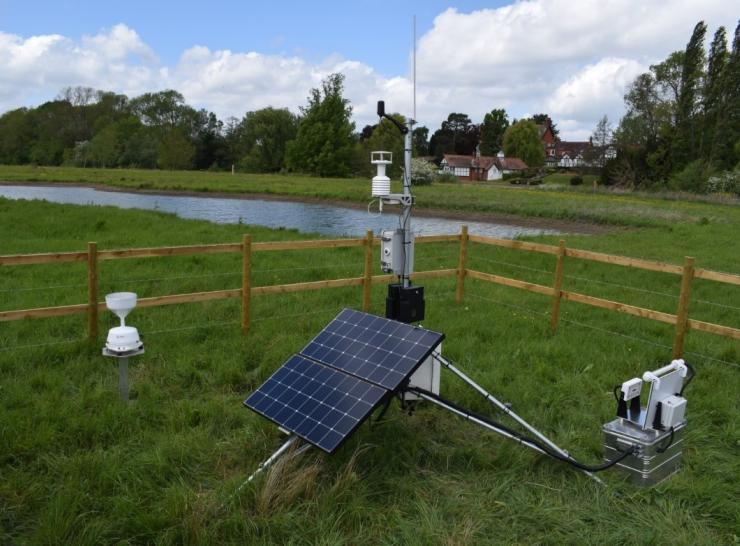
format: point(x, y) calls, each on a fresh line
point(644, 114)
point(685, 143)
point(324, 144)
point(206, 134)
point(492, 131)
point(265, 134)
point(175, 151)
point(716, 64)
point(16, 136)
point(163, 110)
point(387, 137)
point(668, 76)
point(104, 149)
point(601, 138)
point(457, 135)
point(726, 146)
point(522, 140)
point(420, 141)
point(52, 134)
point(138, 144)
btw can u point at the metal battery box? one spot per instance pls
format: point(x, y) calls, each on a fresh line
point(649, 465)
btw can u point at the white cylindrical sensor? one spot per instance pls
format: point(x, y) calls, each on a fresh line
point(381, 186)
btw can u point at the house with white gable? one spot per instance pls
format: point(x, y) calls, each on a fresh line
point(480, 167)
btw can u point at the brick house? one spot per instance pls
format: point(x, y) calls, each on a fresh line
point(480, 167)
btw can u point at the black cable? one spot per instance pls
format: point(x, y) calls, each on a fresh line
point(616, 396)
point(525, 439)
point(686, 383)
point(669, 444)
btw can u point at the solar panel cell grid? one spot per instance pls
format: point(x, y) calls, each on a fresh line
point(321, 405)
point(380, 350)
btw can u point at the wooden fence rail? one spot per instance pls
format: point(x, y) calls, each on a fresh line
point(681, 321)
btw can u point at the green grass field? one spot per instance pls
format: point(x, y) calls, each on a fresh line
point(79, 467)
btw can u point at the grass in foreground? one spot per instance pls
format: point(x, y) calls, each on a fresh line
point(80, 468)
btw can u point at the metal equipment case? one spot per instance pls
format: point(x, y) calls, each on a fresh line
point(658, 452)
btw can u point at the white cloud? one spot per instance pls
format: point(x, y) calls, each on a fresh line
point(595, 90)
point(571, 58)
point(566, 57)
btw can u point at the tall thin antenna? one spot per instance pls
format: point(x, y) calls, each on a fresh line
point(414, 65)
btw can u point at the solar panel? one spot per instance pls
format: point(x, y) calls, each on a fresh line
point(380, 350)
point(320, 404)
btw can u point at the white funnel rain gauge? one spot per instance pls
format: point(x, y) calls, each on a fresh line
point(123, 341)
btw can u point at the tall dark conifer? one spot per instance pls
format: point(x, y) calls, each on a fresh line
point(686, 140)
point(712, 89)
point(725, 151)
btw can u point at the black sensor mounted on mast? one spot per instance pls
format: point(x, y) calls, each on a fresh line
point(404, 302)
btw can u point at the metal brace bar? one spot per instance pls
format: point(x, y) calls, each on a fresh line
point(505, 408)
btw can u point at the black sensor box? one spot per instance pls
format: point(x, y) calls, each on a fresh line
point(404, 304)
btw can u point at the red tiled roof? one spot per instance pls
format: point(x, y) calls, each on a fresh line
point(511, 164)
point(485, 162)
point(458, 160)
point(572, 149)
point(470, 161)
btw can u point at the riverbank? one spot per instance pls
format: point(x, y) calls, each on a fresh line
point(551, 224)
point(601, 208)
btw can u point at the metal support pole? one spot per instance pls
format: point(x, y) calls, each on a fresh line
point(406, 214)
point(477, 421)
point(123, 378)
point(507, 410)
point(274, 457)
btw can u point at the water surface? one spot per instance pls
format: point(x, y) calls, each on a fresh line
point(330, 220)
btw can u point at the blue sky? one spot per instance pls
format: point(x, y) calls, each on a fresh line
point(375, 32)
point(573, 59)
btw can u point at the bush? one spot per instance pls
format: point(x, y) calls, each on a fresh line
point(447, 178)
point(423, 172)
point(692, 178)
point(628, 170)
point(726, 182)
point(526, 181)
point(576, 180)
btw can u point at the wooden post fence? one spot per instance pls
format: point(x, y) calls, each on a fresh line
point(92, 291)
point(680, 321)
point(462, 265)
point(682, 315)
point(367, 280)
point(557, 287)
point(246, 281)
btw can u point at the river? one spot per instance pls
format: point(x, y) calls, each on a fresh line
point(325, 219)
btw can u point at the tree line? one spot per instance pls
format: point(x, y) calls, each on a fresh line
point(90, 128)
point(681, 128)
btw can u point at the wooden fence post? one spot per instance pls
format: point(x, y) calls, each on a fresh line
point(462, 264)
point(557, 287)
point(682, 315)
point(92, 291)
point(246, 281)
point(367, 278)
